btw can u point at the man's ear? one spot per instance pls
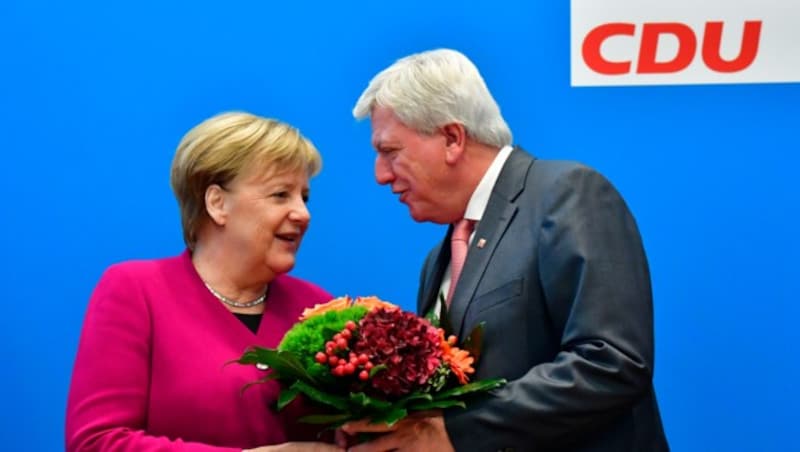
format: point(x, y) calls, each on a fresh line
point(455, 136)
point(215, 204)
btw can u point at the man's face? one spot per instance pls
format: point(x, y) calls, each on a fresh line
point(412, 163)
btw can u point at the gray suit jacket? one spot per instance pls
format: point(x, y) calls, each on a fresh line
point(563, 285)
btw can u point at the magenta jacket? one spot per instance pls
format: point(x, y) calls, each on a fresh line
point(151, 373)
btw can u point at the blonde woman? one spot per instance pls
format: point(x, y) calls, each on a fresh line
point(149, 374)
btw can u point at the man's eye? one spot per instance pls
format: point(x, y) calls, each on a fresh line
point(306, 198)
point(281, 194)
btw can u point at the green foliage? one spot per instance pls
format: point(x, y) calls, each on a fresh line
point(284, 364)
point(362, 406)
point(470, 388)
point(440, 319)
point(438, 404)
point(321, 396)
point(286, 397)
point(439, 379)
point(308, 337)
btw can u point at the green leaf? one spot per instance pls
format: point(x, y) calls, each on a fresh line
point(412, 397)
point(440, 404)
point(269, 377)
point(286, 396)
point(474, 342)
point(432, 316)
point(322, 419)
point(364, 401)
point(317, 395)
point(475, 386)
point(389, 417)
point(282, 362)
point(376, 369)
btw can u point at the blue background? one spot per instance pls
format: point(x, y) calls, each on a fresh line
point(95, 97)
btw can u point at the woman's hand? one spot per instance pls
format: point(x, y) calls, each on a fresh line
point(298, 447)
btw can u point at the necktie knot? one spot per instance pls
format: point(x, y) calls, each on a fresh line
point(462, 230)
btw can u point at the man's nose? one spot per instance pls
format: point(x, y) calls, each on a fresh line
point(383, 171)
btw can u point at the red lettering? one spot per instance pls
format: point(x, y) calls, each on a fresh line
point(747, 52)
point(687, 45)
point(594, 40)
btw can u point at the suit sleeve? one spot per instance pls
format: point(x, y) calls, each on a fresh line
point(107, 406)
point(595, 281)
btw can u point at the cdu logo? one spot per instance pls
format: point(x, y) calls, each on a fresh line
point(687, 39)
point(635, 42)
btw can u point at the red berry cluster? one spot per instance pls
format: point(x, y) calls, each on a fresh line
point(341, 359)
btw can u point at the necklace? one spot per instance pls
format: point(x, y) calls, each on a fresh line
point(234, 303)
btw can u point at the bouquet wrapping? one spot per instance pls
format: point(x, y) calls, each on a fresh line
point(365, 358)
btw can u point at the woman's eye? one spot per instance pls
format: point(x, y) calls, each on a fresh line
point(281, 194)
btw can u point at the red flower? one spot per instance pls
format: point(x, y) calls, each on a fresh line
point(409, 347)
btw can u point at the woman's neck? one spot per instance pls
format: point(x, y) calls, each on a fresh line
point(228, 275)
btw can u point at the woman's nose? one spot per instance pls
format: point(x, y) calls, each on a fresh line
point(300, 212)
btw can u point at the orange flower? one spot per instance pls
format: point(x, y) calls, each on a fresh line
point(459, 360)
point(372, 303)
point(337, 304)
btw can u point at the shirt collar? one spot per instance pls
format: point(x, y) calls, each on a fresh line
point(480, 197)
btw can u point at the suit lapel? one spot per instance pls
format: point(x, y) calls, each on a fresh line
point(499, 214)
point(434, 281)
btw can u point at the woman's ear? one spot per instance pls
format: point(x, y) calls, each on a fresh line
point(455, 136)
point(215, 204)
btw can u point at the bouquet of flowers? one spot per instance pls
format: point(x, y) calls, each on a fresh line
point(365, 358)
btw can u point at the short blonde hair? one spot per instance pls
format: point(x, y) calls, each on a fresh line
point(226, 145)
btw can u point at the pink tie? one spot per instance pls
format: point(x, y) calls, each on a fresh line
point(459, 244)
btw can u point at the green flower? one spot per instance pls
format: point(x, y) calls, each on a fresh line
point(308, 337)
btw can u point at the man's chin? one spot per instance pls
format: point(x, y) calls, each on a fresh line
point(415, 215)
point(428, 219)
point(420, 217)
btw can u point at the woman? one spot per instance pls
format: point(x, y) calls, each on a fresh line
point(150, 371)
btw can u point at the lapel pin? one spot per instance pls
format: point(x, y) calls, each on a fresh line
point(481, 242)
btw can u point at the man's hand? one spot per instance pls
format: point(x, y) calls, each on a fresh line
point(420, 431)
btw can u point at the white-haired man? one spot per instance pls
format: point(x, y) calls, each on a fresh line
point(555, 268)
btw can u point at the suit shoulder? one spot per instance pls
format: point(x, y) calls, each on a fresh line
point(125, 282)
point(552, 166)
point(561, 167)
point(142, 268)
point(558, 172)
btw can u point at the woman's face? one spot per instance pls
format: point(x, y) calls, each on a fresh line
point(266, 216)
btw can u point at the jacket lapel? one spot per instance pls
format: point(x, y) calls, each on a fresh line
point(433, 282)
point(499, 214)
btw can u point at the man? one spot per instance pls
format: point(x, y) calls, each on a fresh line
point(555, 268)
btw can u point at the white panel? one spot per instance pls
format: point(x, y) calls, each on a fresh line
point(777, 58)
